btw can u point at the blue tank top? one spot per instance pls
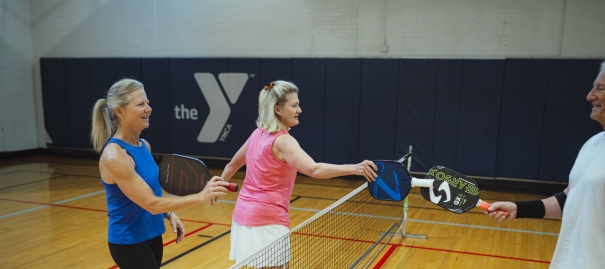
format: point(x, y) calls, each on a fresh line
point(128, 222)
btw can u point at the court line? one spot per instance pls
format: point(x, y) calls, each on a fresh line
point(195, 248)
point(437, 222)
point(484, 227)
point(174, 242)
point(292, 208)
point(310, 210)
point(386, 256)
point(45, 204)
point(397, 245)
point(33, 182)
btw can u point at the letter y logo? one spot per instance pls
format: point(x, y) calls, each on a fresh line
point(233, 84)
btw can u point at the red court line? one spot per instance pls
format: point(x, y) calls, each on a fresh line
point(476, 254)
point(394, 246)
point(100, 210)
point(174, 240)
point(208, 224)
point(428, 248)
point(187, 234)
point(385, 257)
point(57, 205)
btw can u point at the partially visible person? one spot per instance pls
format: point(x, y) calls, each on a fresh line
point(581, 242)
point(135, 205)
point(272, 158)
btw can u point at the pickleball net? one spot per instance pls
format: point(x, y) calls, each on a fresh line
point(350, 233)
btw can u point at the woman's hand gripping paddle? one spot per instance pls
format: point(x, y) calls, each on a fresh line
point(393, 181)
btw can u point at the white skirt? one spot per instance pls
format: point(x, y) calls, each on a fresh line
point(247, 240)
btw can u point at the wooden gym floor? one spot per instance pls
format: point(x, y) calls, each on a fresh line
point(53, 215)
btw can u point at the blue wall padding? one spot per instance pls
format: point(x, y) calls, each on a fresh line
point(79, 105)
point(566, 119)
point(54, 100)
point(102, 76)
point(479, 117)
point(185, 95)
point(522, 118)
point(416, 110)
point(446, 116)
point(274, 69)
point(510, 118)
point(310, 78)
point(127, 68)
point(378, 109)
point(157, 88)
point(343, 90)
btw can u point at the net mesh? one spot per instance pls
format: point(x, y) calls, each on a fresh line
point(344, 235)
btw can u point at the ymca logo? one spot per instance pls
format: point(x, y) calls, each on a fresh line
point(232, 86)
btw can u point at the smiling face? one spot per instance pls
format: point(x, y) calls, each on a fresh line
point(597, 97)
point(136, 114)
point(288, 113)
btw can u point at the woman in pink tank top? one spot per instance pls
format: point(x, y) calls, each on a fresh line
point(272, 158)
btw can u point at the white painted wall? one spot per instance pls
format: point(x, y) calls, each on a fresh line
point(18, 129)
point(276, 28)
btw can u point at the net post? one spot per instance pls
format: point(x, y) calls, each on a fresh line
point(402, 229)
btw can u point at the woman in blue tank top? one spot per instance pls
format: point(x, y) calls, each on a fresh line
point(135, 206)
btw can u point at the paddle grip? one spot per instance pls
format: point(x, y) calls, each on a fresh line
point(422, 182)
point(485, 205)
point(233, 187)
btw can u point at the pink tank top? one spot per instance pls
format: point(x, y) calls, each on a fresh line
point(265, 196)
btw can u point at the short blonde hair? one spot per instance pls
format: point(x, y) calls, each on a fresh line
point(104, 120)
point(273, 94)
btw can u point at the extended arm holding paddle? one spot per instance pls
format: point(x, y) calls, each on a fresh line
point(455, 192)
point(442, 186)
